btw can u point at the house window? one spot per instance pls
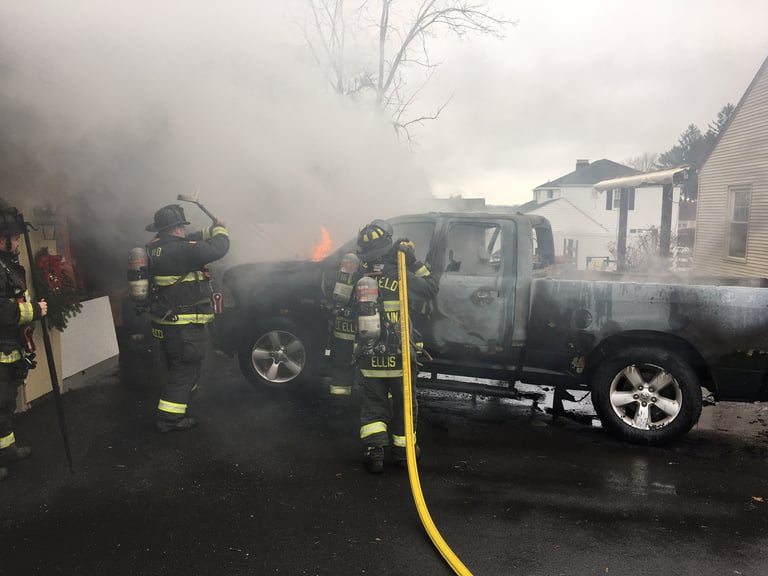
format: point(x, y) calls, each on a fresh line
point(571, 251)
point(548, 194)
point(738, 225)
point(613, 199)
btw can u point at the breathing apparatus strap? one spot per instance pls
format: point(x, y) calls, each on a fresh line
point(13, 276)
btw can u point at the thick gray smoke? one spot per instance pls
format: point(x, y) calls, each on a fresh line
point(112, 109)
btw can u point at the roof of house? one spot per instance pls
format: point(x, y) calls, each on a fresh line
point(564, 216)
point(590, 174)
point(762, 70)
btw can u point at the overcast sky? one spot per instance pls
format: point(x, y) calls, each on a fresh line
point(131, 103)
point(584, 79)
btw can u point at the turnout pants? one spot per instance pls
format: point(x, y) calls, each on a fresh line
point(342, 370)
point(11, 377)
point(183, 347)
point(381, 414)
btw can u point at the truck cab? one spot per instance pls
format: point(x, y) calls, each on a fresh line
point(476, 326)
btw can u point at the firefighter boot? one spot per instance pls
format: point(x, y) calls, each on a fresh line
point(14, 453)
point(185, 423)
point(402, 460)
point(3, 473)
point(373, 458)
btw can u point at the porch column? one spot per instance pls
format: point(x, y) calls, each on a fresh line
point(621, 240)
point(665, 232)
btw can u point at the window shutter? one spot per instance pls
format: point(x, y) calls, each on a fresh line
point(609, 199)
point(631, 198)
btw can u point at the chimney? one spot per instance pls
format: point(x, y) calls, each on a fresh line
point(581, 164)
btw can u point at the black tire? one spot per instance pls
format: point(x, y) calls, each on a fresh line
point(278, 355)
point(647, 396)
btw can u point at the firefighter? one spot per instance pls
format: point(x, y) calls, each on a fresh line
point(17, 312)
point(181, 306)
point(343, 328)
point(378, 354)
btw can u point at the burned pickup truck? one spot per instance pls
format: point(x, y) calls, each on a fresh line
point(505, 311)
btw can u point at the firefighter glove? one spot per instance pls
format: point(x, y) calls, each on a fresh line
point(406, 247)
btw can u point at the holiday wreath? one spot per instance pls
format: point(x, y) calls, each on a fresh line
point(56, 286)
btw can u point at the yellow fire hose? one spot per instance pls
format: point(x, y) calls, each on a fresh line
point(410, 443)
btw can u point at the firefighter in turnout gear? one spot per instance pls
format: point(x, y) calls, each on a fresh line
point(378, 354)
point(343, 328)
point(344, 325)
point(17, 312)
point(181, 306)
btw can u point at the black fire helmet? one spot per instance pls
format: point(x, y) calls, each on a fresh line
point(374, 240)
point(11, 222)
point(168, 217)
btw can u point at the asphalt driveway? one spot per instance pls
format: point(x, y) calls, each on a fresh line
point(271, 483)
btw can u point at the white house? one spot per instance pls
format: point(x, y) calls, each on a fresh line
point(585, 222)
point(575, 232)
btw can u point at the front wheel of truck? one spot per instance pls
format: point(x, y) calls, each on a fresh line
point(277, 355)
point(647, 395)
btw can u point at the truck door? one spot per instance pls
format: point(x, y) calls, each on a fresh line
point(475, 304)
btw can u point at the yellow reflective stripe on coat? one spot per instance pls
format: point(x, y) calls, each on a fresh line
point(7, 441)
point(162, 281)
point(343, 335)
point(11, 357)
point(172, 407)
point(391, 305)
point(186, 319)
point(423, 271)
point(26, 312)
point(373, 428)
point(382, 373)
point(211, 231)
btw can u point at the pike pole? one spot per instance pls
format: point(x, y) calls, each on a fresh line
point(48, 352)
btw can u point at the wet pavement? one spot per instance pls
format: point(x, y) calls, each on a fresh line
point(271, 483)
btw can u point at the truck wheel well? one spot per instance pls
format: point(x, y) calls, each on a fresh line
point(617, 342)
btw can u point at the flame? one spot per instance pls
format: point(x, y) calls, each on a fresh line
point(322, 249)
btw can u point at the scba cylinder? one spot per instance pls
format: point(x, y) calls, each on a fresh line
point(368, 319)
point(138, 277)
point(342, 290)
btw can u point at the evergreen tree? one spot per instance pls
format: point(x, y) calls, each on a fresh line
point(692, 149)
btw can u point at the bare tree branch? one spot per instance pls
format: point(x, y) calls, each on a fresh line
point(646, 162)
point(402, 41)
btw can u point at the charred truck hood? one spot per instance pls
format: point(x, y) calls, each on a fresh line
point(260, 284)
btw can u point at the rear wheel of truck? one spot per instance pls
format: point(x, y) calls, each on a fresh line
point(647, 395)
point(278, 355)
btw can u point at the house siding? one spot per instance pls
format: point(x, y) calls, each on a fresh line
point(571, 223)
point(740, 158)
point(580, 214)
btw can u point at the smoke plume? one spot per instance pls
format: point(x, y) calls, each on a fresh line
point(110, 110)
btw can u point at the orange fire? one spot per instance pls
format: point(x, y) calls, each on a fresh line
point(322, 249)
